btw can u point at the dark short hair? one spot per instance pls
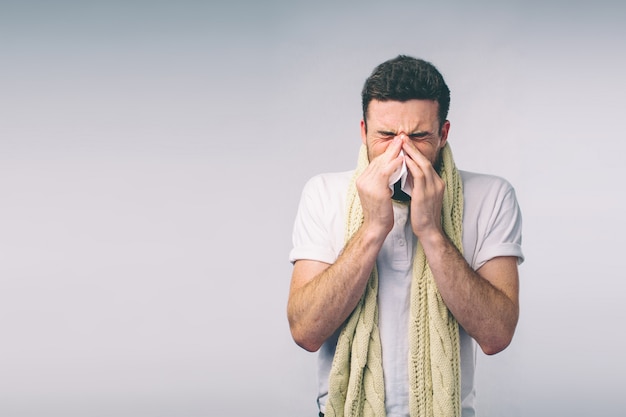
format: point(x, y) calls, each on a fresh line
point(406, 78)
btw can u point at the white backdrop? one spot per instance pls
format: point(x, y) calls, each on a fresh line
point(152, 156)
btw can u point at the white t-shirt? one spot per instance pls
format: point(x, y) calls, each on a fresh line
point(492, 226)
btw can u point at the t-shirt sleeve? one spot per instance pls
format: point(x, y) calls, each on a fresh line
point(502, 234)
point(312, 233)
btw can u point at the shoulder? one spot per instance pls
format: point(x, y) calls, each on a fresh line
point(329, 181)
point(327, 186)
point(492, 219)
point(318, 232)
point(480, 189)
point(324, 195)
point(487, 195)
point(474, 182)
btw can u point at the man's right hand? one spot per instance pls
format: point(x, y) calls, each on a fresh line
point(374, 191)
point(322, 296)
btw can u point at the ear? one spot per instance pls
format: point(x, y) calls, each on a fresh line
point(363, 132)
point(445, 129)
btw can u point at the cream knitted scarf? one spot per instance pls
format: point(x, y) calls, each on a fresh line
point(356, 386)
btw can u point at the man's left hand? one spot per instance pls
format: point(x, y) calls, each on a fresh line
point(427, 192)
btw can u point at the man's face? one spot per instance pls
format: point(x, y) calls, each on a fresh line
point(416, 119)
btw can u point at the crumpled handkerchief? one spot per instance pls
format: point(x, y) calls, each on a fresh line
point(401, 174)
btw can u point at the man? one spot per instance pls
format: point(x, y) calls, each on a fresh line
point(404, 265)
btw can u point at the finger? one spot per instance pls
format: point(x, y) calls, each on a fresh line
point(382, 167)
point(391, 159)
point(419, 177)
point(394, 148)
point(411, 150)
point(424, 175)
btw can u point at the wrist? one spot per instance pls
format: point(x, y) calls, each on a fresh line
point(432, 238)
point(374, 233)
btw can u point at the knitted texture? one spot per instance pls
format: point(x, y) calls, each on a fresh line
point(356, 385)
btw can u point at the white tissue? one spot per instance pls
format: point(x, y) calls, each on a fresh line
point(402, 175)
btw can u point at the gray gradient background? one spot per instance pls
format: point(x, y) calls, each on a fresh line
point(152, 156)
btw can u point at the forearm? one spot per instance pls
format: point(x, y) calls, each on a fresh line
point(317, 307)
point(487, 309)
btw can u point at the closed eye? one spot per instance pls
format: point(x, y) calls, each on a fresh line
point(419, 135)
point(386, 135)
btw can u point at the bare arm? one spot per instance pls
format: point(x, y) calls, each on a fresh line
point(322, 296)
point(484, 302)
